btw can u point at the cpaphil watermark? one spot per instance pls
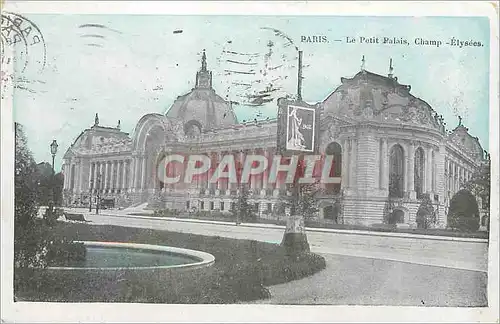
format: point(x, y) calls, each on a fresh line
point(308, 169)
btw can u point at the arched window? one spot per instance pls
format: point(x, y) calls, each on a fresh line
point(334, 149)
point(396, 172)
point(419, 172)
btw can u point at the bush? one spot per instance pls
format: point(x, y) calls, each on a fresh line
point(63, 253)
point(166, 213)
point(463, 213)
point(426, 216)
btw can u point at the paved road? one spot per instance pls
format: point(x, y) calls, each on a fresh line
point(363, 281)
point(452, 254)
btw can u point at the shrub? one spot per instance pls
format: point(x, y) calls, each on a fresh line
point(64, 253)
point(463, 213)
point(426, 216)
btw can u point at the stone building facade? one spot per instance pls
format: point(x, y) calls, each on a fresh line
point(391, 149)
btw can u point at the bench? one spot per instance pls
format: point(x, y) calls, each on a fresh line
point(75, 217)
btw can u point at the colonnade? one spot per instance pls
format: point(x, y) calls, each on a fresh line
point(456, 175)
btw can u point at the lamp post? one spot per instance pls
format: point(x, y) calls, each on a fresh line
point(53, 151)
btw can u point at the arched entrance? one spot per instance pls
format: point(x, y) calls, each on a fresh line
point(335, 150)
point(154, 142)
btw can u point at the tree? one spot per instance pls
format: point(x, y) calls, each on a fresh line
point(30, 241)
point(479, 186)
point(463, 213)
point(306, 202)
point(50, 186)
point(244, 211)
point(426, 215)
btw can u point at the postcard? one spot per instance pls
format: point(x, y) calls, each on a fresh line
point(249, 161)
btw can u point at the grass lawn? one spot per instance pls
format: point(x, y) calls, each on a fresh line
point(242, 270)
point(318, 224)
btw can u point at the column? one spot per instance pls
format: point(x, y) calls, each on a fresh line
point(80, 176)
point(65, 173)
point(124, 174)
point(353, 161)
point(252, 178)
point(384, 172)
point(241, 159)
point(106, 175)
point(410, 174)
point(101, 173)
point(143, 172)
point(137, 175)
point(111, 175)
point(265, 174)
point(428, 171)
point(218, 184)
point(90, 175)
point(344, 173)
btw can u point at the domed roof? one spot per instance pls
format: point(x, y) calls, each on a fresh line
point(99, 139)
point(202, 104)
point(370, 96)
point(460, 137)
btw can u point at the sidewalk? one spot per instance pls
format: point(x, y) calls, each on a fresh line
point(123, 213)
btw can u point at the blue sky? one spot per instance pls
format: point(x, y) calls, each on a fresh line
point(140, 66)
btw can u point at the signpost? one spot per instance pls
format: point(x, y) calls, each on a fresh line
point(298, 135)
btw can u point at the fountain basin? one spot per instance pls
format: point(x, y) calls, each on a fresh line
point(114, 256)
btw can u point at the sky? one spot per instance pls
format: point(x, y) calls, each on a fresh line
point(139, 64)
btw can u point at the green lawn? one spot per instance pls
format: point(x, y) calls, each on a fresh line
point(318, 224)
point(242, 270)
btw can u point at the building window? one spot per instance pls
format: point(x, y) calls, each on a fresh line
point(396, 172)
point(269, 207)
point(221, 205)
point(256, 206)
point(334, 149)
point(211, 205)
point(187, 205)
point(419, 172)
point(202, 205)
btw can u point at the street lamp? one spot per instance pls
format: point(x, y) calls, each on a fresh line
point(53, 151)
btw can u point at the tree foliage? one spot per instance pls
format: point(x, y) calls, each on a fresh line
point(463, 213)
point(50, 186)
point(30, 241)
point(244, 211)
point(34, 244)
point(426, 215)
point(479, 185)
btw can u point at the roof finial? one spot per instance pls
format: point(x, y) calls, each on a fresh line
point(204, 61)
point(459, 120)
point(363, 63)
point(390, 75)
point(96, 120)
point(118, 126)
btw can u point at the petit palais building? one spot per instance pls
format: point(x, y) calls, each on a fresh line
point(390, 149)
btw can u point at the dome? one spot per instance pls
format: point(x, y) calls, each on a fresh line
point(370, 96)
point(202, 106)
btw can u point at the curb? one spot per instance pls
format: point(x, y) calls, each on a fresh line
point(313, 229)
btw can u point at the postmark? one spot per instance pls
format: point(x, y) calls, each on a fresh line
point(23, 50)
